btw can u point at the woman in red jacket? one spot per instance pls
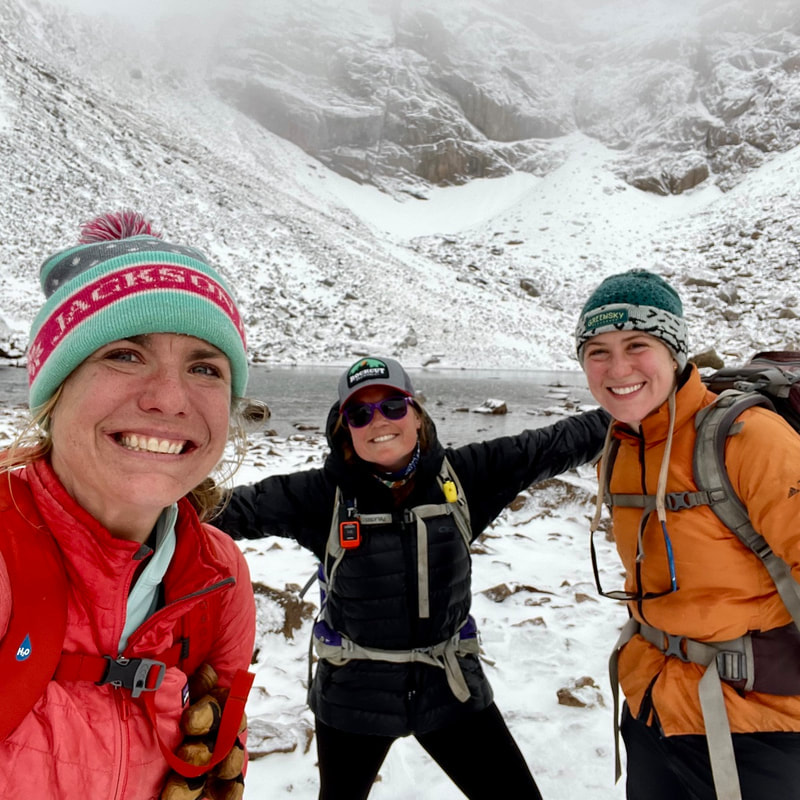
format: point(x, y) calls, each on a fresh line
point(700, 601)
point(135, 361)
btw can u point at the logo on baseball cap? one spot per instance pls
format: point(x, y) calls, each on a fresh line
point(374, 372)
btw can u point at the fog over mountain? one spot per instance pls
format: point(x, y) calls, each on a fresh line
point(441, 181)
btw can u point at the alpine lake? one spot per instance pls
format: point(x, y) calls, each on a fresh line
point(467, 405)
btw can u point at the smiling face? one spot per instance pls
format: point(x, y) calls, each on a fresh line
point(387, 443)
point(139, 424)
point(629, 373)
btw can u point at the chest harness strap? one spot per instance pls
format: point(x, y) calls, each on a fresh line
point(143, 676)
point(338, 650)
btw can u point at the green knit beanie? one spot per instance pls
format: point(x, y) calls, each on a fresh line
point(636, 300)
point(122, 281)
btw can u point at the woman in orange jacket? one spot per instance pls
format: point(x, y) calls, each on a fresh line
point(691, 729)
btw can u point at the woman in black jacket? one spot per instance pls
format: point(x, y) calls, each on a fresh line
point(391, 516)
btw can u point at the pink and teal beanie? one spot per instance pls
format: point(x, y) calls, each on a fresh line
point(123, 280)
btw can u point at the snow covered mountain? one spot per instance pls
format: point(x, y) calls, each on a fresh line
point(406, 92)
point(524, 150)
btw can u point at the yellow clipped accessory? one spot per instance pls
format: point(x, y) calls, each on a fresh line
point(450, 491)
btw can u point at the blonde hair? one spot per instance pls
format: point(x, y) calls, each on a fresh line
point(34, 442)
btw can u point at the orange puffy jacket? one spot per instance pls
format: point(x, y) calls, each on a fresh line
point(90, 741)
point(724, 590)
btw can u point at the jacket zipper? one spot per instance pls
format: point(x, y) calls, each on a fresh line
point(409, 529)
point(638, 563)
point(122, 701)
point(170, 607)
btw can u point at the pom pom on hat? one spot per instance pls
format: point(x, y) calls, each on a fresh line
point(123, 281)
point(116, 225)
point(635, 300)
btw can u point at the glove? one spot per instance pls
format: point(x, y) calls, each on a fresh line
point(199, 724)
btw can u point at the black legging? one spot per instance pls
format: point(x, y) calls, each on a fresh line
point(677, 767)
point(478, 754)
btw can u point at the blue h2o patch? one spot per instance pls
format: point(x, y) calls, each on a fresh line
point(24, 650)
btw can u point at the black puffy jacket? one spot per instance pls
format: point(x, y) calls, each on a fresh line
point(375, 600)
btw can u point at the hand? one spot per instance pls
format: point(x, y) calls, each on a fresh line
point(199, 724)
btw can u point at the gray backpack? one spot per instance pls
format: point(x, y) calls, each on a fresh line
point(770, 379)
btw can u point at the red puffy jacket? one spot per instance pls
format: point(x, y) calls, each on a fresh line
point(90, 741)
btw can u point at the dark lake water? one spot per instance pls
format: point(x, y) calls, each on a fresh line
point(301, 396)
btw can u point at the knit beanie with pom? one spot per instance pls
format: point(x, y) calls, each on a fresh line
point(123, 280)
point(636, 300)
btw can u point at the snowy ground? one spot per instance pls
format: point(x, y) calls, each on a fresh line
point(297, 239)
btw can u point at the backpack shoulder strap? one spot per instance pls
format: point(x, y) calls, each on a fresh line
point(334, 552)
point(454, 493)
point(31, 647)
point(332, 556)
point(714, 424)
point(609, 458)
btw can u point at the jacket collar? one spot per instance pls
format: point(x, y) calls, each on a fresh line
point(100, 567)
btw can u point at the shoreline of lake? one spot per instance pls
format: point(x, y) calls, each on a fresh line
point(299, 397)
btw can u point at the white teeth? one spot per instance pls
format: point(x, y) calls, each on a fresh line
point(150, 444)
point(380, 439)
point(625, 389)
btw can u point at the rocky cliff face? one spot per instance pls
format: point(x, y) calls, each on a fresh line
point(418, 93)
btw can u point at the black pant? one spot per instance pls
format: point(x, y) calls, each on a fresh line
point(677, 767)
point(478, 754)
